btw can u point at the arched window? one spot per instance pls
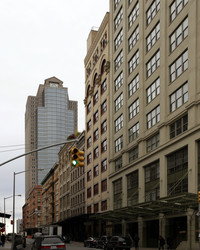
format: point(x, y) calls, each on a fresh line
point(103, 66)
point(95, 78)
point(88, 91)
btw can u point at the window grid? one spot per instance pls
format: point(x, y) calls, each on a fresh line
point(152, 11)
point(119, 102)
point(96, 170)
point(133, 109)
point(153, 37)
point(118, 18)
point(153, 90)
point(132, 64)
point(118, 60)
point(104, 165)
point(153, 142)
point(104, 146)
point(179, 66)
point(176, 7)
point(179, 97)
point(118, 144)
point(96, 152)
point(96, 135)
point(95, 98)
point(103, 107)
point(104, 185)
point(133, 38)
point(89, 106)
point(133, 154)
point(118, 39)
point(134, 13)
point(95, 117)
point(118, 81)
point(153, 64)
point(119, 123)
point(152, 172)
point(103, 126)
point(116, 3)
point(133, 85)
point(134, 132)
point(103, 86)
point(153, 117)
point(179, 126)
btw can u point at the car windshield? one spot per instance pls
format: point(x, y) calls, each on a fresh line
point(52, 240)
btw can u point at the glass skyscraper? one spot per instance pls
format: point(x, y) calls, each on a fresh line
point(50, 118)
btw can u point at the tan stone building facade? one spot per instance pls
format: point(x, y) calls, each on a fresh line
point(154, 133)
point(96, 101)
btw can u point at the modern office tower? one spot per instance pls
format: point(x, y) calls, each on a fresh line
point(49, 119)
point(154, 133)
point(97, 122)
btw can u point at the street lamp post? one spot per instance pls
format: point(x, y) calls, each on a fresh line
point(5, 198)
point(14, 174)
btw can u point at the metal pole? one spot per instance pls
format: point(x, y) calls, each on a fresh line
point(13, 211)
point(199, 225)
point(4, 215)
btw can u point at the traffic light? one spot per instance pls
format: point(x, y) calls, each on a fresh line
point(199, 196)
point(77, 157)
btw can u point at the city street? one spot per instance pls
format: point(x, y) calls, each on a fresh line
point(72, 246)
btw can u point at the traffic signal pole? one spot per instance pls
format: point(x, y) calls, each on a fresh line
point(38, 149)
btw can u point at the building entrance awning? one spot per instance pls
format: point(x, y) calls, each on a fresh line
point(167, 205)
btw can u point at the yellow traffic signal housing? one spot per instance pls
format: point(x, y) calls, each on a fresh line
point(77, 157)
point(199, 196)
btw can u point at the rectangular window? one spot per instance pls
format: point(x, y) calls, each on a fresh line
point(96, 189)
point(153, 142)
point(179, 126)
point(89, 107)
point(89, 142)
point(176, 7)
point(153, 63)
point(95, 98)
point(104, 165)
point(119, 102)
point(132, 64)
point(104, 127)
point(153, 37)
point(104, 146)
point(103, 107)
point(133, 85)
point(89, 124)
point(133, 109)
point(116, 2)
point(104, 205)
point(104, 185)
point(133, 38)
point(95, 117)
point(119, 123)
point(118, 39)
point(152, 172)
point(152, 11)
point(89, 158)
point(118, 81)
point(179, 97)
point(153, 90)
point(117, 194)
point(134, 13)
point(118, 144)
point(119, 60)
point(96, 135)
point(153, 117)
point(96, 152)
point(89, 193)
point(179, 35)
point(179, 66)
point(118, 18)
point(103, 86)
point(96, 170)
point(133, 154)
point(132, 188)
point(133, 132)
point(89, 175)
point(89, 209)
point(118, 164)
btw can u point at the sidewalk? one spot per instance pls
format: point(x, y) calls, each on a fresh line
point(7, 246)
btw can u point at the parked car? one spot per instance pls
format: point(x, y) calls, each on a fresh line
point(9, 236)
point(48, 242)
point(103, 241)
point(120, 243)
point(90, 242)
point(19, 241)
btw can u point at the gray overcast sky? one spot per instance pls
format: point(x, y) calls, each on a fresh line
point(39, 39)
